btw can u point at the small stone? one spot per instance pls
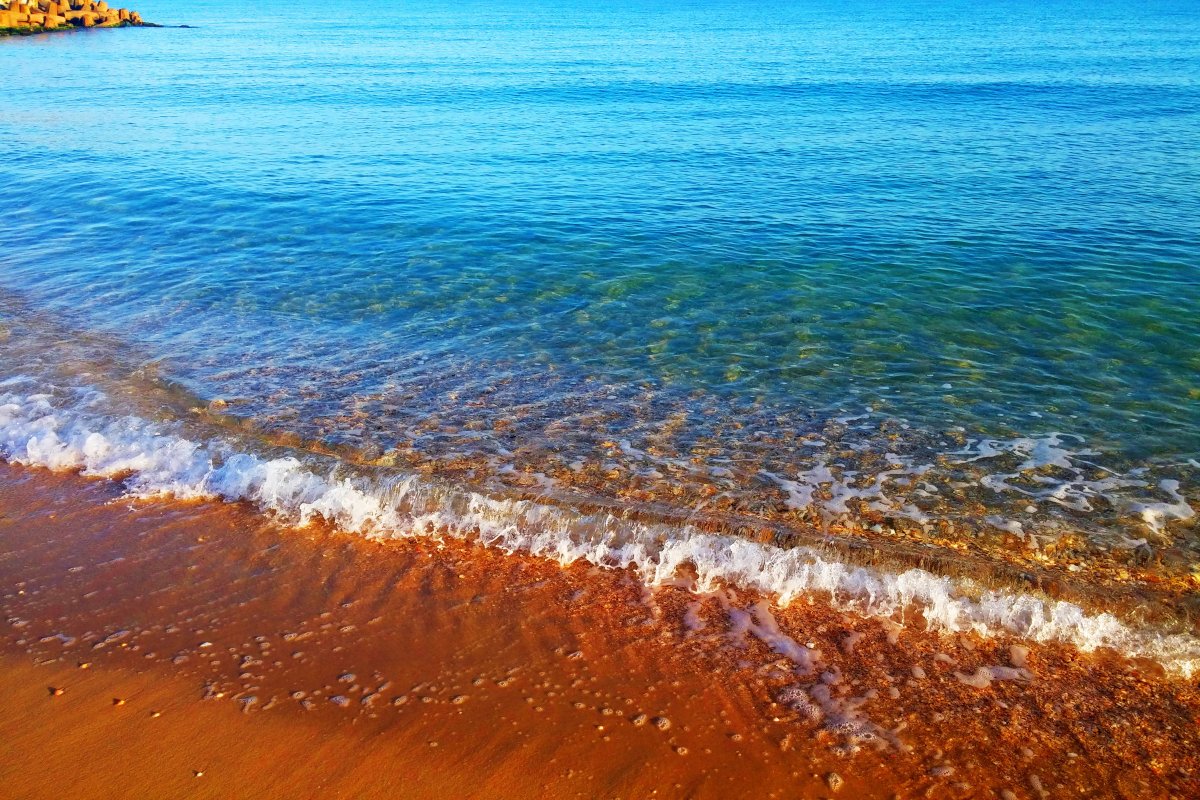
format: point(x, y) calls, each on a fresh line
point(638, 720)
point(458, 699)
point(118, 701)
point(196, 773)
point(662, 723)
point(57, 691)
point(834, 781)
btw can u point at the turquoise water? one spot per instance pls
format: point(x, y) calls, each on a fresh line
point(552, 237)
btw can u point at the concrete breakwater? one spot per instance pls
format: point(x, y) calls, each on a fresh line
point(49, 15)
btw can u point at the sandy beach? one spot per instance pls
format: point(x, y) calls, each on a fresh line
point(164, 649)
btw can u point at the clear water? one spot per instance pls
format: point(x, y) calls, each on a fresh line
point(650, 252)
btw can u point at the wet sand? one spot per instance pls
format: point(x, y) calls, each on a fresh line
point(203, 650)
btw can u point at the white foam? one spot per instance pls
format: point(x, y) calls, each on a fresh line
point(760, 622)
point(73, 432)
point(1075, 490)
point(802, 490)
point(1156, 514)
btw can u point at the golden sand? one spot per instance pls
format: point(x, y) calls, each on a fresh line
point(162, 649)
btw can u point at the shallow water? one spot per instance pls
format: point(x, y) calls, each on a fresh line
point(922, 274)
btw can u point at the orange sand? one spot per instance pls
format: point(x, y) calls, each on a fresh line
point(464, 672)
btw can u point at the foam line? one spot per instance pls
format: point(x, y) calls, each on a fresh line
point(74, 431)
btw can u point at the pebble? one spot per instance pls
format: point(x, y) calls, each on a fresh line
point(1018, 655)
point(57, 691)
point(118, 701)
point(637, 719)
point(834, 781)
point(662, 723)
point(340, 700)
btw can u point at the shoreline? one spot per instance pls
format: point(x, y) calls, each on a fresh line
point(542, 672)
point(841, 514)
point(153, 459)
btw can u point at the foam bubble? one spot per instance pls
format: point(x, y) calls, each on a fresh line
point(1073, 489)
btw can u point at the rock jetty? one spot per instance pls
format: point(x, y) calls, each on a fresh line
point(51, 15)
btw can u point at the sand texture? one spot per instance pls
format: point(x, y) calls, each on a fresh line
point(161, 649)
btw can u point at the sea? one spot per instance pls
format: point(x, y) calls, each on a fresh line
point(893, 303)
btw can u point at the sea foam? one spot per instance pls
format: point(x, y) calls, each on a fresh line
point(76, 430)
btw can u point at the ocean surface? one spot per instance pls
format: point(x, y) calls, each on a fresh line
point(915, 277)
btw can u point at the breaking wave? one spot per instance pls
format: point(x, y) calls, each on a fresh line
point(77, 430)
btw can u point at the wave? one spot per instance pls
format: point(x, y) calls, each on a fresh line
point(78, 429)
